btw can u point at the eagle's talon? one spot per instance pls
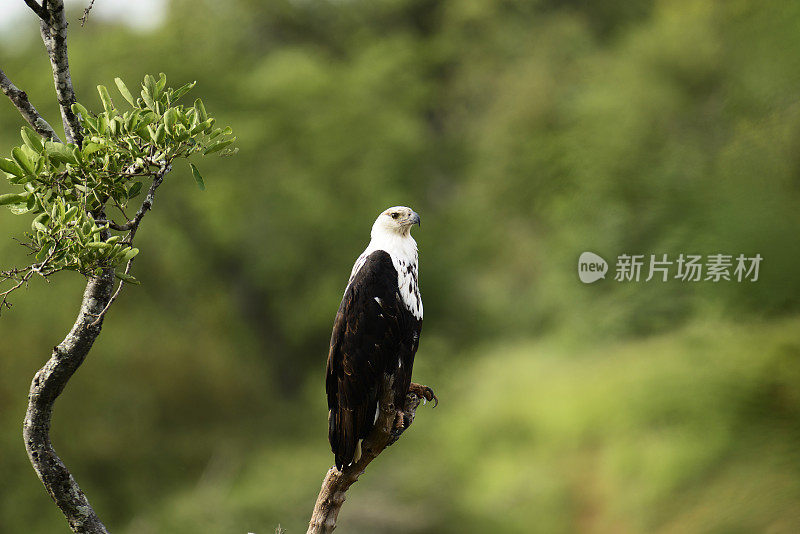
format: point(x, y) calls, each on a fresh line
point(424, 392)
point(432, 397)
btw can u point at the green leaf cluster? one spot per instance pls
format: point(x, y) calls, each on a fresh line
point(78, 194)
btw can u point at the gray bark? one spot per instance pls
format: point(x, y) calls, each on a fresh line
point(19, 98)
point(54, 36)
point(47, 385)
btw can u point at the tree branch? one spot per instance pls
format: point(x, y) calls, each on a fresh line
point(47, 385)
point(147, 203)
point(23, 275)
point(40, 10)
point(133, 226)
point(19, 98)
point(54, 36)
point(86, 12)
point(336, 483)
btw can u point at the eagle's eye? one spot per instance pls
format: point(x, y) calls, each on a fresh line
point(395, 215)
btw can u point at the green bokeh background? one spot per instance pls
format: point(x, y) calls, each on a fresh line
point(523, 132)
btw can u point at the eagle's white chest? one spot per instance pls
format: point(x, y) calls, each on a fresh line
point(403, 252)
point(408, 283)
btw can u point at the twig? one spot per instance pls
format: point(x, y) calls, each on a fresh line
point(147, 203)
point(36, 268)
point(54, 36)
point(4, 300)
point(86, 13)
point(120, 208)
point(336, 483)
point(20, 99)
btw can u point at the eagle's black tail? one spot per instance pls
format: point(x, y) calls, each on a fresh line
point(345, 429)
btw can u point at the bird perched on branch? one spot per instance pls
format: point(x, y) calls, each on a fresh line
point(376, 333)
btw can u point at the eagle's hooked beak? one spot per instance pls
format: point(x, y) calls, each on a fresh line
point(415, 219)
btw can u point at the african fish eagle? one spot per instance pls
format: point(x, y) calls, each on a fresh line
point(376, 332)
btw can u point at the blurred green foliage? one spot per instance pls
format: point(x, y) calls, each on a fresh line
point(524, 133)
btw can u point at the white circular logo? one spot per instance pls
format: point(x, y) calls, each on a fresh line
point(591, 267)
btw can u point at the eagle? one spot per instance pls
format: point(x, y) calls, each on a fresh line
point(375, 333)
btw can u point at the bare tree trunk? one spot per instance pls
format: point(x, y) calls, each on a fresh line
point(334, 487)
point(47, 385)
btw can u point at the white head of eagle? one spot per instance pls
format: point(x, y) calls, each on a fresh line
point(376, 331)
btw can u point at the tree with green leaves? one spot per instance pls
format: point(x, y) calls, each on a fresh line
point(87, 197)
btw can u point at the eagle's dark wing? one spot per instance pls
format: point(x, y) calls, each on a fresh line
point(373, 334)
